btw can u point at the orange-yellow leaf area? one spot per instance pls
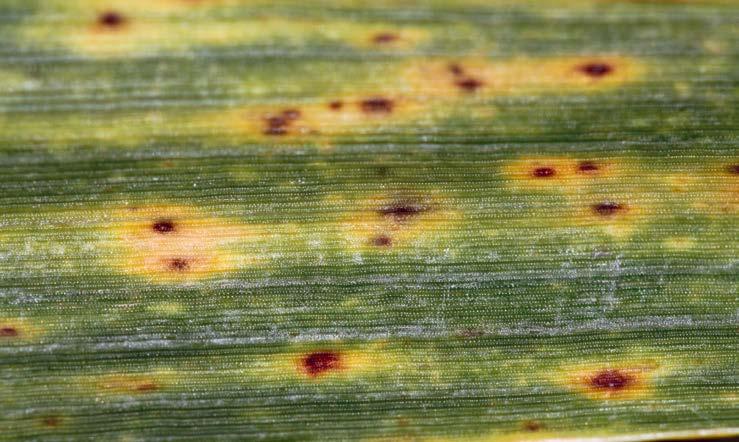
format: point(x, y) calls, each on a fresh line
point(177, 243)
point(124, 27)
point(614, 195)
point(130, 383)
point(485, 77)
point(18, 330)
point(340, 114)
point(384, 222)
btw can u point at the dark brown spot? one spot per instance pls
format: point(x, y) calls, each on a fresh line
point(607, 208)
point(734, 169)
point(336, 105)
point(587, 167)
point(276, 125)
point(382, 241)
point(596, 69)
point(8, 332)
point(147, 386)
point(385, 37)
point(611, 380)
point(51, 421)
point(544, 172)
point(163, 226)
point(178, 264)
point(111, 19)
point(377, 105)
point(532, 426)
point(291, 114)
point(402, 211)
point(469, 84)
point(456, 69)
point(320, 362)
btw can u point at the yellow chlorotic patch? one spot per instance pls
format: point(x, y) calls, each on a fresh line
point(476, 76)
point(679, 243)
point(383, 222)
point(562, 174)
point(630, 378)
point(119, 383)
point(339, 115)
point(716, 189)
point(122, 27)
point(174, 243)
point(618, 215)
point(18, 330)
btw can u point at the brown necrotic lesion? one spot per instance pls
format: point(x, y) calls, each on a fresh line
point(629, 379)
point(608, 208)
point(321, 362)
point(596, 69)
point(610, 380)
point(377, 105)
point(8, 331)
point(111, 20)
point(281, 123)
point(401, 211)
point(128, 384)
point(19, 330)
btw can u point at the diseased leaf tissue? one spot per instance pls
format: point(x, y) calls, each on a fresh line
point(380, 221)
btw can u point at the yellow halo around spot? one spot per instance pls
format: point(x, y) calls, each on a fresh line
point(340, 114)
point(125, 383)
point(561, 174)
point(175, 243)
point(636, 374)
point(373, 226)
point(19, 330)
point(353, 361)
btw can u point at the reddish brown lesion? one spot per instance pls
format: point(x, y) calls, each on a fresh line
point(129, 384)
point(610, 380)
point(469, 84)
point(456, 69)
point(111, 20)
point(147, 386)
point(377, 105)
point(596, 69)
point(463, 80)
point(321, 362)
point(280, 124)
point(588, 167)
point(532, 426)
point(382, 241)
point(385, 38)
point(402, 210)
point(178, 264)
point(163, 226)
point(8, 331)
point(733, 169)
point(543, 172)
point(608, 208)
point(336, 105)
